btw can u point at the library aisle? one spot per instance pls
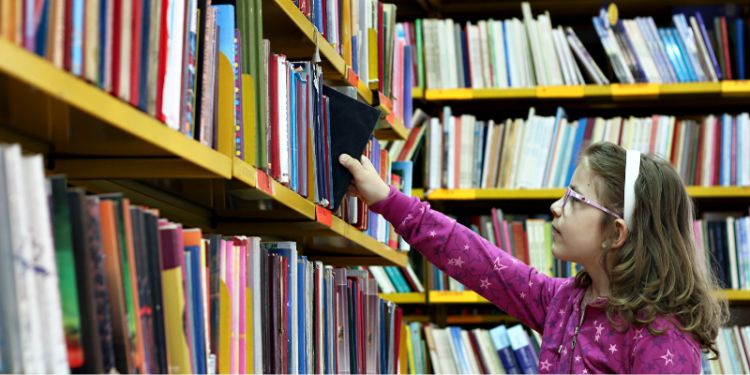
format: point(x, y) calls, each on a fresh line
point(171, 199)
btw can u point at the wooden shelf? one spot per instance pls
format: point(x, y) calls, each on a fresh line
point(292, 34)
point(322, 235)
point(389, 127)
point(615, 92)
point(405, 298)
point(93, 133)
point(417, 93)
point(445, 297)
point(552, 194)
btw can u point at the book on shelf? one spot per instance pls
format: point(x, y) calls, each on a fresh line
point(542, 151)
point(125, 290)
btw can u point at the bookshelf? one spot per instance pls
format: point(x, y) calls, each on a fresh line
point(405, 298)
point(613, 92)
point(447, 297)
point(552, 194)
point(104, 144)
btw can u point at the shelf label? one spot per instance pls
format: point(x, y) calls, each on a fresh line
point(385, 103)
point(323, 216)
point(735, 87)
point(635, 89)
point(265, 183)
point(352, 77)
point(559, 91)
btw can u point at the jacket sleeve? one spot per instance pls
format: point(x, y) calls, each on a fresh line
point(516, 288)
point(671, 352)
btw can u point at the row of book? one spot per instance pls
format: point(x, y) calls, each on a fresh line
point(392, 279)
point(159, 56)
point(95, 284)
point(734, 347)
point(366, 35)
point(723, 236)
point(529, 52)
point(453, 350)
point(542, 151)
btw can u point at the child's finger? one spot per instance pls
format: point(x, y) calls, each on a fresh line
point(350, 163)
point(366, 163)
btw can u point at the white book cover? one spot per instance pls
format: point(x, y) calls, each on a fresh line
point(283, 115)
point(435, 150)
point(10, 334)
point(744, 124)
point(536, 45)
point(567, 153)
point(568, 53)
point(469, 353)
point(615, 130)
point(484, 51)
point(466, 156)
point(489, 354)
point(51, 335)
point(511, 53)
point(172, 103)
point(557, 152)
point(526, 63)
point(708, 128)
point(447, 351)
point(498, 48)
point(414, 278)
point(653, 34)
point(430, 62)
point(732, 253)
point(547, 131)
point(487, 154)
point(551, 61)
point(704, 58)
point(445, 31)
point(126, 49)
point(569, 76)
point(475, 56)
point(27, 298)
point(450, 164)
point(522, 128)
point(641, 51)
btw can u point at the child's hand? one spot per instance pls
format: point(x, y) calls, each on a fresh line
point(367, 184)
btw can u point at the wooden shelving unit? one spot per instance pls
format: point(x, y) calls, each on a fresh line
point(447, 297)
point(614, 92)
point(106, 145)
point(551, 194)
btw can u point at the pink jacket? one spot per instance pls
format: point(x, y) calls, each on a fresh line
point(548, 305)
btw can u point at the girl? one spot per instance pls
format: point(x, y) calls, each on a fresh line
point(643, 302)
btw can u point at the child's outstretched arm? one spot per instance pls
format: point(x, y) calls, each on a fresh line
point(516, 288)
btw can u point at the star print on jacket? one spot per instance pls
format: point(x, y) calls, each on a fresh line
point(551, 306)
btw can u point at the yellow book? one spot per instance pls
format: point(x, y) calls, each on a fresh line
point(402, 354)
point(174, 308)
point(346, 31)
point(225, 107)
point(410, 352)
point(225, 338)
point(248, 120)
point(372, 53)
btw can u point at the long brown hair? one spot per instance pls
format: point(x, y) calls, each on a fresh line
point(658, 270)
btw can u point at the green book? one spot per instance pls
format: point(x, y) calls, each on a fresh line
point(420, 54)
point(66, 270)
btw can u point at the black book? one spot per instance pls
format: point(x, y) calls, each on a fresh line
point(352, 123)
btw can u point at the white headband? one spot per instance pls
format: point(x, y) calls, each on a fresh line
point(632, 167)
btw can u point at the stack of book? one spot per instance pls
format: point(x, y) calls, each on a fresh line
point(542, 151)
point(97, 284)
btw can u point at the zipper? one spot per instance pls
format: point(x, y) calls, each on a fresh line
point(575, 338)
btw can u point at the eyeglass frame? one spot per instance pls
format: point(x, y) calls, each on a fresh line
point(580, 197)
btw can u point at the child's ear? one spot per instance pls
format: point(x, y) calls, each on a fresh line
point(620, 234)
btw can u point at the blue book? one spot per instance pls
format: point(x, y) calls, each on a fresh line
point(406, 100)
point(76, 48)
point(559, 116)
point(317, 15)
point(288, 250)
point(465, 56)
point(500, 340)
point(329, 165)
point(672, 55)
point(506, 52)
point(143, 78)
point(684, 35)
point(568, 134)
point(103, 62)
point(739, 47)
point(197, 293)
point(577, 143)
point(692, 74)
point(725, 166)
point(40, 34)
point(225, 39)
point(479, 127)
point(525, 355)
point(460, 353)
point(709, 45)
point(301, 305)
point(355, 55)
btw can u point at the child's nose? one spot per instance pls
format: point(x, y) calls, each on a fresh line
point(556, 208)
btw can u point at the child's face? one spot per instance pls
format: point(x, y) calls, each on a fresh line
point(576, 226)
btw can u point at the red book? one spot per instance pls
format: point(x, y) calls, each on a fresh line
point(162, 68)
point(397, 327)
point(135, 57)
point(676, 141)
point(477, 353)
point(68, 38)
point(716, 157)
point(521, 247)
point(654, 133)
point(117, 27)
point(301, 156)
point(725, 43)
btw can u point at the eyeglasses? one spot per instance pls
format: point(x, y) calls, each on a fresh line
point(572, 193)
